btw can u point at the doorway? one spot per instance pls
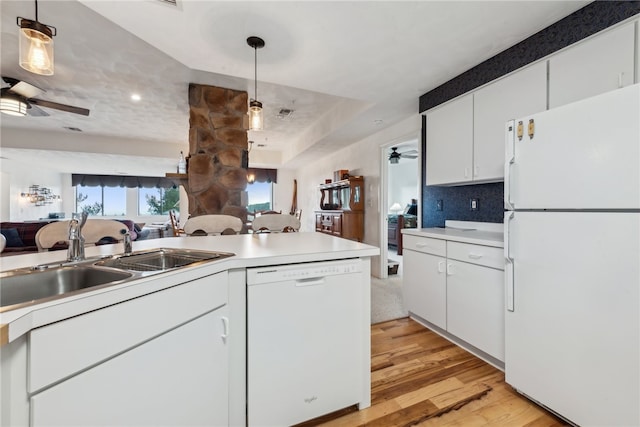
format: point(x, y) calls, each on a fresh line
point(400, 195)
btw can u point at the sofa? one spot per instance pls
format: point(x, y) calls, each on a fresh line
point(21, 236)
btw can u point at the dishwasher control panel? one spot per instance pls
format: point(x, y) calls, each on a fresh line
point(278, 273)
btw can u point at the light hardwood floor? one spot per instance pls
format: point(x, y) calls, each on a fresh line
point(419, 378)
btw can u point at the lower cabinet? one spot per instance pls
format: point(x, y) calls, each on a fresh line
point(475, 306)
point(160, 359)
point(178, 378)
point(457, 287)
point(425, 286)
point(341, 223)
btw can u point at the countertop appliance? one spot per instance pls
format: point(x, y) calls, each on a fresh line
point(572, 249)
point(305, 344)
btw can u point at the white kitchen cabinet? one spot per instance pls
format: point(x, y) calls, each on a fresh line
point(424, 279)
point(178, 378)
point(458, 287)
point(596, 65)
point(450, 142)
point(521, 93)
point(475, 296)
point(161, 359)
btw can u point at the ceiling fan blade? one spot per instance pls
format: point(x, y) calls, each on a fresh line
point(58, 106)
point(34, 111)
point(27, 90)
point(410, 152)
point(409, 156)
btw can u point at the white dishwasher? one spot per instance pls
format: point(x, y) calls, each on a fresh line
point(304, 340)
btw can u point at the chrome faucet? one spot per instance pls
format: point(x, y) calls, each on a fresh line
point(127, 241)
point(76, 240)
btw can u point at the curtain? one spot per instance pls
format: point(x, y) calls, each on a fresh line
point(121, 181)
point(264, 175)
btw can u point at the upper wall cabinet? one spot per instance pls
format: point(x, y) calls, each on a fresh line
point(450, 142)
point(523, 92)
point(465, 138)
point(602, 63)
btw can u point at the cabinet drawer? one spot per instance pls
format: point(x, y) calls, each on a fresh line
point(425, 244)
point(487, 256)
point(64, 348)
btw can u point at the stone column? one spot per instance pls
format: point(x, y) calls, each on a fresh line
point(217, 138)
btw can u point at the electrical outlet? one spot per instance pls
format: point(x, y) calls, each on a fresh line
point(474, 204)
point(438, 205)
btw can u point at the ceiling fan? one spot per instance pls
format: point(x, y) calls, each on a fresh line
point(19, 98)
point(394, 156)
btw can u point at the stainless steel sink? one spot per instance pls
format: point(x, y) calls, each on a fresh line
point(29, 286)
point(161, 259)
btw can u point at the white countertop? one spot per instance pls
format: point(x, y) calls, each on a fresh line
point(478, 233)
point(251, 250)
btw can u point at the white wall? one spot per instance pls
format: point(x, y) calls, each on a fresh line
point(16, 178)
point(360, 158)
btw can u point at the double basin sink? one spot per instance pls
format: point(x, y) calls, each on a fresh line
point(32, 285)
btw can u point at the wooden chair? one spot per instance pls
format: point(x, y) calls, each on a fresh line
point(275, 223)
point(93, 231)
point(177, 231)
point(212, 225)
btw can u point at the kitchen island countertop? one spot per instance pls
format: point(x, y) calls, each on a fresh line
point(251, 250)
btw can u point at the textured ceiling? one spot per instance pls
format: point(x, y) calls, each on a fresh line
point(341, 66)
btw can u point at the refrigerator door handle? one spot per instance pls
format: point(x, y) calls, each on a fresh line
point(508, 267)
point(509, 160)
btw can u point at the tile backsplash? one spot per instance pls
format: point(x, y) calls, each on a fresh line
point(456, 204)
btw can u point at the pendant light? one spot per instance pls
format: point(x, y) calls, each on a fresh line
point(36, 45)
point(255, 107)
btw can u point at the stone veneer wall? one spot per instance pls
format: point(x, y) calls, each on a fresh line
point(217, 139)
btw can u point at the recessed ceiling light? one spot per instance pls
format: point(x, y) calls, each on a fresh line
point(378, 122)
point(262, 145)
point(135, 97)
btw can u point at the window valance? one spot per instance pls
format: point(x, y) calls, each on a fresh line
point(263, 175)
point(121, 181)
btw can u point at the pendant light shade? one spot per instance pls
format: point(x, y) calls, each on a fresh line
point(36, 45)
point(255, 115)
point(12, 105)
point(256, 121)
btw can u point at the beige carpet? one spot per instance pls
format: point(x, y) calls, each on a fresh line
point(386, 299)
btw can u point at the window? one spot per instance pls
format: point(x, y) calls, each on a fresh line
point(259, 196)
point(101, 201)
point(158, 201)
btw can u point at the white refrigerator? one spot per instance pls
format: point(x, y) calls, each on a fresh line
point(572, 251)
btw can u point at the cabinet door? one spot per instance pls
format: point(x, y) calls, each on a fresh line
point(493, 106)
point(475, 306)
point(450, 142)
point(425, 286)
point(336, 224)
point(179, 378)
point(318, 222)
point(602, 63)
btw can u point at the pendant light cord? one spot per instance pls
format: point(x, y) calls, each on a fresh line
point(37, 11)
point(255, 63)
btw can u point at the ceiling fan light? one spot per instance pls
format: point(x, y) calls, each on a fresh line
point(36, 47)
point(13, 106)
point(256, 121)
point(394, 160)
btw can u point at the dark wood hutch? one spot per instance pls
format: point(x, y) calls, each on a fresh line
point(342, 208)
